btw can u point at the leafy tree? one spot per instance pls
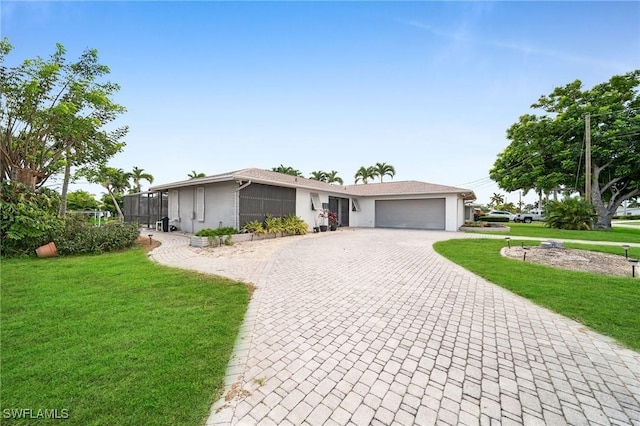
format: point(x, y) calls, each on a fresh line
point(364, 174)
point(27, 217)
point(496, 199)
point(52, 116)
point(81, 200)
point(634, 203)
point(332, 177)
point(509, 207)
point(287, 170)
point(138, 175)
point(570, 213)
point(546, 151)
point(318, 175)
point(383, 169)
point(195, 175)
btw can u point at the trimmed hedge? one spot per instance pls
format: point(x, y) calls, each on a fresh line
point(78, 237)
point(218, 232)
point(628, 217)
point(493, 219)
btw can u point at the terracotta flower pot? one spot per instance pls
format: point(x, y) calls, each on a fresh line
point(47, 250)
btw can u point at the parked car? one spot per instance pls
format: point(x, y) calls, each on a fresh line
point(528, 217)
point(501, 213)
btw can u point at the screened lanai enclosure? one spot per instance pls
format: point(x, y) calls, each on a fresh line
point(146, 208)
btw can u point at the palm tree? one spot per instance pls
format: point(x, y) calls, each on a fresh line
point(116, 182)
point(318, 175)
point(287, 170)
point(138, 175)
point(195, 175)
point(384, 169)
point(496, 199)
point(364, 174)
point(332, 177)
point(634, 202)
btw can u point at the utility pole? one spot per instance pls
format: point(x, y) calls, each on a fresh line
point(587, 157)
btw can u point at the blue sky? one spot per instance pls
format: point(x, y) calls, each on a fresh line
point(429, 87)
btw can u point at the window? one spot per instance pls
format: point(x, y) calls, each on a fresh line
point(200, 204)
point(355, 207)
point(315, 201)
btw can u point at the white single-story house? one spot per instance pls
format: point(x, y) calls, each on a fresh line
point(235, 198)
point(628, 211)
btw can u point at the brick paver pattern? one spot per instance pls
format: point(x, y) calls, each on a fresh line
point(372, 327)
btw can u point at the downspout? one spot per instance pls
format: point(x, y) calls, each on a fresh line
point(193, 209)
point(237, 202)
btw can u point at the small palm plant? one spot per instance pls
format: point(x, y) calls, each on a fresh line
point(570, 213)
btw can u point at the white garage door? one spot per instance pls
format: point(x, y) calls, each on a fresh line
point(411, 214)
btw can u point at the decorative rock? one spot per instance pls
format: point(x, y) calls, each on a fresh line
point(556, 244)
point(546, 245)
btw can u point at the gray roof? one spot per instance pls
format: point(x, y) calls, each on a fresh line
point(269, 177)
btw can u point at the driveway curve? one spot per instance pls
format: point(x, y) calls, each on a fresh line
point(372, 327)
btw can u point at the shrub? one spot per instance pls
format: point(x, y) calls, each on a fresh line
point(475, 224)
point(570, 213)
point(217, 232)
point(27, 218)
point(493, 219)
point(76, 236)
point(273, 225)
point(254, 226)
point(292, 224)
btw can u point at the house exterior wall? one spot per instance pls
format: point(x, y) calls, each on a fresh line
point(219, 207)
point(303, 207)
point(365, 218)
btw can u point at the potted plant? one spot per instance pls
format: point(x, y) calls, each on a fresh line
point(333, 220)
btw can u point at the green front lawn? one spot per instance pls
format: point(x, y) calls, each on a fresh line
point(538, 230)
point(115, 339)
point(609, 305)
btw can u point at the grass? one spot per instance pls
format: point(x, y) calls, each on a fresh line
point(115, 339)
point(609, 305)
point(538, 230)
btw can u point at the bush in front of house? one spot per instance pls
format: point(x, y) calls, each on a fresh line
point(292, 224)
point(253, 227)
point(77, 236)
point(289, 224)
point(217, 232)
point(224, 231)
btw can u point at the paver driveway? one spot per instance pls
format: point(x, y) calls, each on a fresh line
point(371, 326)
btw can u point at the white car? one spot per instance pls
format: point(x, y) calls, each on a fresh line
point(501, 213)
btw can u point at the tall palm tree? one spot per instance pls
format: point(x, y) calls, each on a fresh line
point(195, 175)
point(364, 174)
point(496, 199)
point(139, 175)
point(384, 169)
point(287, 170)
point(318, 175)
point(332, 177)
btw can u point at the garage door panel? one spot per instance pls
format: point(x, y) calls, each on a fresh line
point(411, 214)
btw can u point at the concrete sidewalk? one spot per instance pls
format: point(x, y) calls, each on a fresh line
point(371, 326)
